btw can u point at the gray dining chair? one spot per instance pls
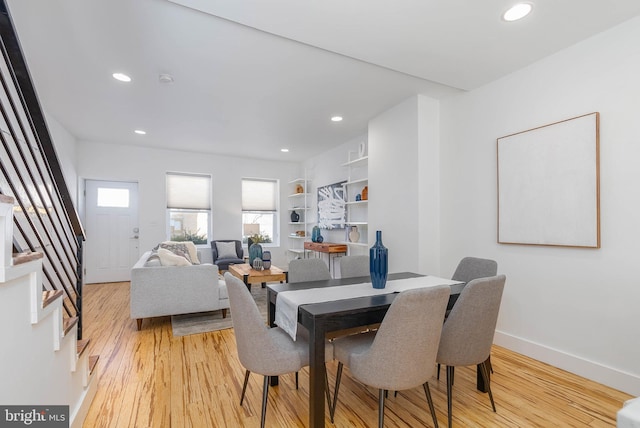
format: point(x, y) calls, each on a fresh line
point(401, 354)
point(470, 268)
point(303, 270)
point(263, 350)
point(353, 266)
point(467, 334)
point(473, 267)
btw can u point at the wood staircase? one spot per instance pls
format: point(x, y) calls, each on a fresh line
point(43, 361)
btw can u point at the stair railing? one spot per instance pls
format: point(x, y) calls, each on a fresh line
point(45, 218)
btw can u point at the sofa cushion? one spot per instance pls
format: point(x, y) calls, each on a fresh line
point(188, 245)
point(167, 258)
point(178, 248)
point(181, 248)
point(223, 290)
point(226, 250)
point(153, 260)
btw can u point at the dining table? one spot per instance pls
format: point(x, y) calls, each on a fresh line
point(322, 317)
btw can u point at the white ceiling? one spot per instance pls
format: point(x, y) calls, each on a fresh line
point(255, 76)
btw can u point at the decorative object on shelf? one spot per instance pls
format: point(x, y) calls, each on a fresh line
point(301, 233)
point(266, 260)
point(365, 193)
point(257, 263)
point(320, 239)
point(315, 233)
point(354, 235)
point(378, 262)
point(361, 148)
point(358, 197)
point(299, 188)
point(255, 252)
point(295, 217)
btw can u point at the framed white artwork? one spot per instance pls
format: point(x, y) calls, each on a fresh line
point(548, 184)
point(331, 206)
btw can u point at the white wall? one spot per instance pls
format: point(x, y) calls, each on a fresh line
point(148, 167)
point(574, 308)
point(404, 184)
point(65, 146)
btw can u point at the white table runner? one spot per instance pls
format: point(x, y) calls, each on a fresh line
point(287, 302)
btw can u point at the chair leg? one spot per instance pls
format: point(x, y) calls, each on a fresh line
point(449, 394)
point(326, 387)
point(265, 393)
point(381, 395)
point(244, 386)
point(332, 408)
point(438, 377)
point(485, 376)
point(296, 380)
point(427, 392)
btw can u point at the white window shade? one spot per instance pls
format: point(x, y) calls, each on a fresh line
point(259, 195)
point(188, 191)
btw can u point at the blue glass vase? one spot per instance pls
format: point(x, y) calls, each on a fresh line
point(255, 252)
point(378, 262)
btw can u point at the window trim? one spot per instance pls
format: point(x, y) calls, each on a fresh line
point(276, 235)
point(208, 211)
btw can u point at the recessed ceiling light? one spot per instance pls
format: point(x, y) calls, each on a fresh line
point(517, 11)
point(284, 150)
point(140, 132)
point(336, 119)
point(121, 77)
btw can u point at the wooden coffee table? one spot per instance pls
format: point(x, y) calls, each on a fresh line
point(250, 276)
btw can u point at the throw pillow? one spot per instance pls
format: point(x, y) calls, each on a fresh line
point(167, 258)
point(153, 260)
point(226, 250)
point(191, 247)
point(178, 248)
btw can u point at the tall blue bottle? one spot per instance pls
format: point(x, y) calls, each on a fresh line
point(378, 262)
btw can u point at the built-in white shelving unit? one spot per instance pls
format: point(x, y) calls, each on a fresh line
point(357, 207)
point(300, 203)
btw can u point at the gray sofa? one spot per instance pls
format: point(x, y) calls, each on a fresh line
point(172, 290)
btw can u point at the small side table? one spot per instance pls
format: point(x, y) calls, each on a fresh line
point(328, 248)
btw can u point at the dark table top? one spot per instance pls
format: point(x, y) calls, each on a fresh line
point(346, 307)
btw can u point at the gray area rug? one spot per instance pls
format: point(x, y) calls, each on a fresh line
point(202, 322)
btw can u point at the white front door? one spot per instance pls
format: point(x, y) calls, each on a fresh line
point(111, 248)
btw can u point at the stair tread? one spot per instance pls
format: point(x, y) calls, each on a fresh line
point(27, 256)
point(68, 324)
point(82, 346)
point(93, 360)
point(49, 296)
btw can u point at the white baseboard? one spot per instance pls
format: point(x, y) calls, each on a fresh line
point(614, 378)
point(77, 419)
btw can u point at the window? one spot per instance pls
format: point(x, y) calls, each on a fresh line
point(260, 209)
point(189, 207)
point(113, 198)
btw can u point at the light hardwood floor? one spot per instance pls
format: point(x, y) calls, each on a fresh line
point(149, 378)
